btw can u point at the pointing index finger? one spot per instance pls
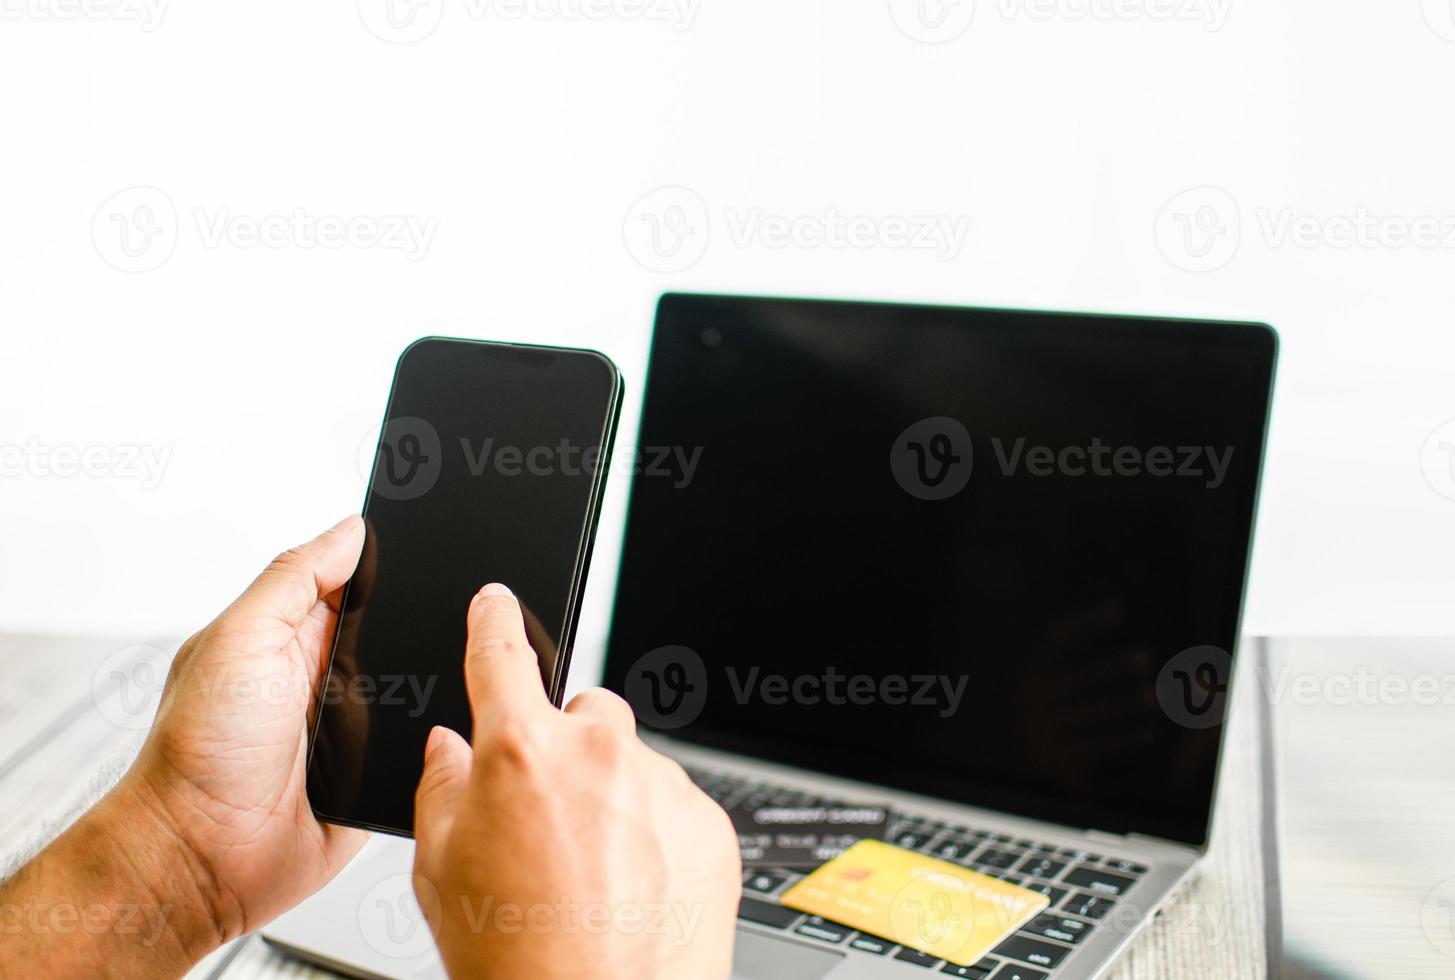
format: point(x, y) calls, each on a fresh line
point(501, 670)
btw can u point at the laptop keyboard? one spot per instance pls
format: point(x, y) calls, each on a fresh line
point(1082, 886)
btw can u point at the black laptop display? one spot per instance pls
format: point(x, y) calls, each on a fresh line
point(956, 552)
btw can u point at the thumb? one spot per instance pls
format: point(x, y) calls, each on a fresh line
point(447, 760)
point(294, 581)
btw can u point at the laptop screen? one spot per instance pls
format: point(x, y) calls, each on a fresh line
point(993, 557)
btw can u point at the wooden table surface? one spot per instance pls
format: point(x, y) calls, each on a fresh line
point(73, 711)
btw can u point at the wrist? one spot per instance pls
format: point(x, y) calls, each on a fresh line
point(115, 894)
point(162, 867)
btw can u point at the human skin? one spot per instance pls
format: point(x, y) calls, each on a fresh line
point(209, 835)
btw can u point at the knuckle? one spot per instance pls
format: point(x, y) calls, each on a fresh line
point(519, 742)
point(604, 742)
point(500, 647)
point(291, 561)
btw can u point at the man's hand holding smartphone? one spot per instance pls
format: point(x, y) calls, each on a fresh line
point(559, 844)
point(210, 835)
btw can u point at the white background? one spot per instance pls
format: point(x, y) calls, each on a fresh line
point(1065, 140)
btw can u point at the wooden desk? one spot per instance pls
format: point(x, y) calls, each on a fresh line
point(72, 713)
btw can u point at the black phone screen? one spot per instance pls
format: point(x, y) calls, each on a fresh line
point(489, 468)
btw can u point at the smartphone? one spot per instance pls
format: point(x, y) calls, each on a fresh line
point(489, 467)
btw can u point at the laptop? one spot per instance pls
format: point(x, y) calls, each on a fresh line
point(981, 568)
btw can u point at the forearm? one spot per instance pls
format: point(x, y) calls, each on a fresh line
point(114, 895)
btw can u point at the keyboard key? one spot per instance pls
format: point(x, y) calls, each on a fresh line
point(1129, 867)
point(766, 913)
point(1050, 891)
point(953, 850)
point(1001, 838)
point(992, 858)
point(911, 840)
point(1075, 854)
point(1048, 848)
point(763, 881)
point(975, 971)
point(1026, 844)
point(1097, 880)
point(822, 929)
point(1013, 971)
point(1059, 927)
point(866, 943)
point(1033, 951)
point(1087, 906)
point(916, 957)
point(1041, 867)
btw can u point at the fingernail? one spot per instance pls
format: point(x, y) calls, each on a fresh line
point(436, 735)
point(495, 588)
point(346, 523)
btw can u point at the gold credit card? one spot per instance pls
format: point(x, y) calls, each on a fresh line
point(917, 901)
